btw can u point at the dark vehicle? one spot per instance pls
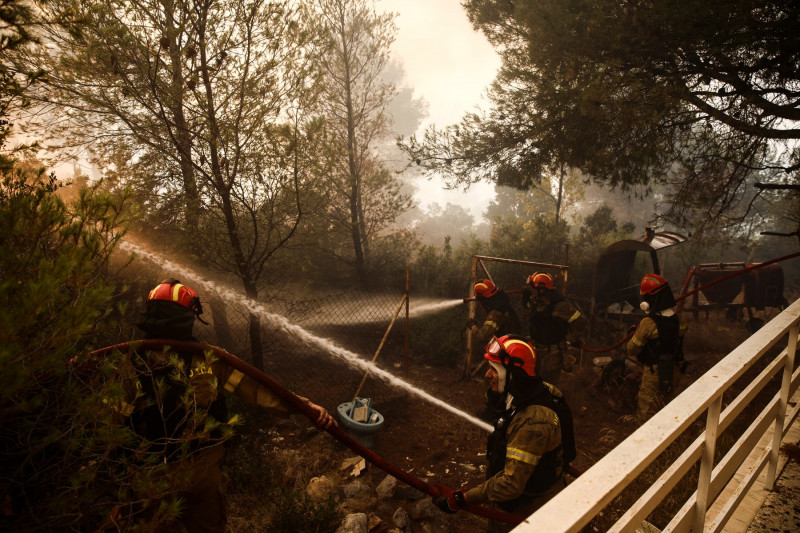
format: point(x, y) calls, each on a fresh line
point(758, 289)
point(615, 287)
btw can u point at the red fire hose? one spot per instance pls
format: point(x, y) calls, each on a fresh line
point(302, 407)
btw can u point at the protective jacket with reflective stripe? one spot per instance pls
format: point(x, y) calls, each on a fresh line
point(524, 454)
point(156, 384)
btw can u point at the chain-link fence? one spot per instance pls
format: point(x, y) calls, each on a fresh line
point(317, 345)
point(314, 344)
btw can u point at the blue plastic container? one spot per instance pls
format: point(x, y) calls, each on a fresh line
point(362, 431)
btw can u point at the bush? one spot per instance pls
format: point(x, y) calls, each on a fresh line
point(55, 300)
point(297, 513)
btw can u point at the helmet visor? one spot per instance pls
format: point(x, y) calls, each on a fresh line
point(494, 347)
point(493, 350)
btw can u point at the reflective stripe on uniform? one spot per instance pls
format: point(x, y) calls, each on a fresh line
point(233, 380)
point(491, 323)
point(202, 368)
point(574, 316)
point(264, 398)
point(522, 456)
point(125, 409)
point(122, 407)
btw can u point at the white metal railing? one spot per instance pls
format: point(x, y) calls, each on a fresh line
point(576, 505)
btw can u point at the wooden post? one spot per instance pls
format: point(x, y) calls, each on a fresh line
point(785, 395)
point(470, 314)
point(385, 335)
point(707, 463)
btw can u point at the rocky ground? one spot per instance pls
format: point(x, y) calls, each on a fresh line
point(434, 445)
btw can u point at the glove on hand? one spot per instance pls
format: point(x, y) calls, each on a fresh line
point(451, 502)
point(471, 322)
point(527, 294)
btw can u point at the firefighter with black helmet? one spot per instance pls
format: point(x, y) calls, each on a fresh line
point(552, 319)
point(657, 342)
point(172, 400)
point(501, 318)
point(533, 441)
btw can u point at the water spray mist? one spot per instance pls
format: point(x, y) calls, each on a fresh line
point(309, 338)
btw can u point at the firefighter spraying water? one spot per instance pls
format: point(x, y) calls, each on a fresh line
point(172, 400)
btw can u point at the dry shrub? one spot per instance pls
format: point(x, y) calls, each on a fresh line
point(792, 451)
point(713, 335)
point(269, 464)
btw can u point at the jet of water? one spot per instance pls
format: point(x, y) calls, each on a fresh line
point(298, 332)
point(432, 307)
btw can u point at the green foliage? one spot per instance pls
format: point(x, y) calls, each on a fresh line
point(54, 257)
point(362, 197)
point(390, 255)
point(633, 94)
point(55, 301)
point(438, 338)
point(249, 473)
point(597, 231)
point(297, 513)
point(263, 488)
point(445, 272)
point(17, 19)
point(520, 230)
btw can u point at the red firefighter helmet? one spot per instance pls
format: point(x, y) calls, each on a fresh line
point(512, 350)
point(485, 288)
point(651, 284)
point(173, 290)
point(541, 279)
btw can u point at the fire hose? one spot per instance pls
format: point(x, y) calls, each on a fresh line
point(301, 406)
point(685, 295)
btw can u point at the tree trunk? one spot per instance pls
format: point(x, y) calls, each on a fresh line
point(560, 191)
point(222, 328)
point(256, 346)
point(355, 173)
point(183, 140)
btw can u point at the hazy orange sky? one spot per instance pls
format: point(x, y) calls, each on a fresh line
point(450, 65)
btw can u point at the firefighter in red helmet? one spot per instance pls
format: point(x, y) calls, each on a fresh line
point(657, 343)
point(501, 318)
point(552, 321)
point(172, 400)
point(533, 441)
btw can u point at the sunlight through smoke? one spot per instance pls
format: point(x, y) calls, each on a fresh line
point(307, 337)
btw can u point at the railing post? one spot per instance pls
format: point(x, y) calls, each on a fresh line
point(707, 463)
point(786, 385)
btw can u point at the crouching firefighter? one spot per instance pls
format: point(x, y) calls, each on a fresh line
point(533, 441)
point(172, 401)
point(657, 343)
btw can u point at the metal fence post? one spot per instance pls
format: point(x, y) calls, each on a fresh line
point(470, 315)
point(707, 463)
point(786, 385)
